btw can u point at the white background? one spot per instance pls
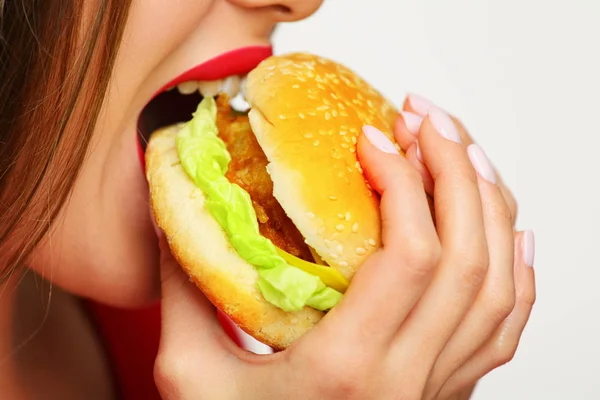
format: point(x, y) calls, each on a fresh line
point(524, 76)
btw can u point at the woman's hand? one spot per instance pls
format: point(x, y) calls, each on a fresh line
point(439, 306)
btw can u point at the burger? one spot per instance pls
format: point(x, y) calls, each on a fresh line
point(268, 211)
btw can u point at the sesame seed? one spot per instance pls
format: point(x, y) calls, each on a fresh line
point(332, 198)
point(355, 227)
point(311, 113)
point(345, 145)
point(322, 108)
point(343, 114)
point(340, 249)
point(341, 216)
point(341, 106)
point(372, 242)
point(354, 139)
point(308, 135)
point(339, 227)
point(301, 115)
point(348, 216)
point(360, 251)
point(281, 116)
point(316, 143)
point(352, 149)
point(333, 255)
point(334, 113)
point(343, 264)
point(327, 102)
point(327, 116)
point(295, 86)
point(310, 215)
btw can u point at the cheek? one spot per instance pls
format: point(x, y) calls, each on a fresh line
point(104, 246)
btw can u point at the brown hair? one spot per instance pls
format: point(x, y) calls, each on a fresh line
point(56, 57)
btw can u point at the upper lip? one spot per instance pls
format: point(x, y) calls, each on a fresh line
point(236, 62)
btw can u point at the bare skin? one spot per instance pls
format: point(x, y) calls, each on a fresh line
point(122, 265)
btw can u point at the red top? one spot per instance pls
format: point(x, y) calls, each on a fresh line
point(131, 339)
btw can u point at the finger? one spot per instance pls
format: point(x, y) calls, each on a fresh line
point(186, 312)
point(420, 106)
point(460, 226)
point(390, 282)
point(406, 132)
point(406, 129)
point(501, 348)
point(508, 196)
point(192, 342)
point(496, 298)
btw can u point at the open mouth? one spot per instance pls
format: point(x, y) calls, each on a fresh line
point(179, 98)
point(177, 104)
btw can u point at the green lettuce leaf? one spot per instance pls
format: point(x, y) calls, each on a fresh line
point(205, 159)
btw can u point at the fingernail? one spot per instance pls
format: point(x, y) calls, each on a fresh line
point(444, 125)
point(418, 153)
point(412, 121)
point(379, 140)
point(481, 163)
point(528, 248)
point(419, 104)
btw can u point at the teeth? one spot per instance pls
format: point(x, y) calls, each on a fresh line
point(209, 88)
point(231, 85)
point(187, 87)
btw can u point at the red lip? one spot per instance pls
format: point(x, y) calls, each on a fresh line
point(235, 62)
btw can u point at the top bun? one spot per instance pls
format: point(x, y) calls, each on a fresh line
point(307, 113)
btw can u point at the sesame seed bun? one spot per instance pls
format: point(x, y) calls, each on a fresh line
point(306, 113)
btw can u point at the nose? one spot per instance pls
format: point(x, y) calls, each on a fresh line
point(283, 10)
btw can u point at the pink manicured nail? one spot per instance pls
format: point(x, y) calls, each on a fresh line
point(418, 153)
point(412, 121)
point(420, 104)
point(444, 125)
point(481, 163)
point(528, 248)
point(379, 140)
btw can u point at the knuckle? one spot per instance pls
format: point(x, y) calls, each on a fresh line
point(503, 352)
point(501, 305)
point(347, 383)
point(474, 264)
point(421, 257)
point(528, 297)
point(499, 212)
point(461, 172)
point(169, 373)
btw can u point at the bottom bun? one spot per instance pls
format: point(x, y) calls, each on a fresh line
point(202, 249)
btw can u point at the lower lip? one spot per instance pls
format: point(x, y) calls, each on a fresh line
point(235, 62)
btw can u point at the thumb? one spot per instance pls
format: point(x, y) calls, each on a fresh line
point(195, 355)
point(187, 315)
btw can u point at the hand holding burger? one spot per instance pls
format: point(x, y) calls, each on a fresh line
point(304, 222)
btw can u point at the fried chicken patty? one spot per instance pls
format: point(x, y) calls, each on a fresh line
point(248, 170)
